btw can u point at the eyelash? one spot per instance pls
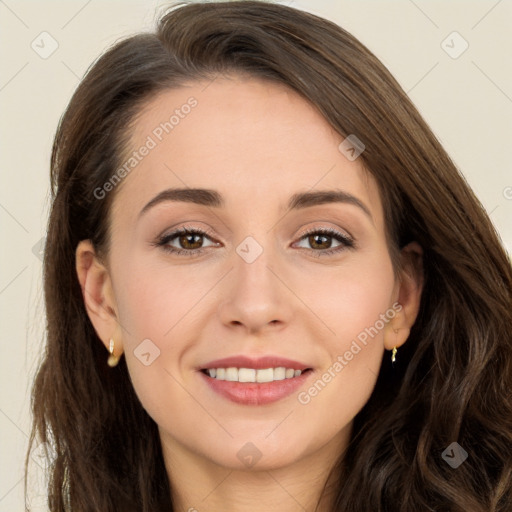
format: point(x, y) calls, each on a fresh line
point(347, 242)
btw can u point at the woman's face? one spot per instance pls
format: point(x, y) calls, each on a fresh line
point(266, 284)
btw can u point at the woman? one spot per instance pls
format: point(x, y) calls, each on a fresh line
point(267, 285)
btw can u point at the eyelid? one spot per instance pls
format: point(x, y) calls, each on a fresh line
point(346, 241)
point(188, 228)
point(166, 237)
point(327, 230)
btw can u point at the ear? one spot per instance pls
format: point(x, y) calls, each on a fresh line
point(407, 296)
point(98, 296)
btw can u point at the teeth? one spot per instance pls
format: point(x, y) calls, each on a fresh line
point(252, 375)
point(279, 373)
point(232, 374)
point(266, 375)
point(246, 375)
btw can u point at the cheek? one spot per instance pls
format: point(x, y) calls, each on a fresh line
point(357, 310)
point(156, 305)
point(364, 298)
point(152, 301)
point(349, 299)
point(153, 304)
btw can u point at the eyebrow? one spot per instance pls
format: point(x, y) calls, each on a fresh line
point(212, 198)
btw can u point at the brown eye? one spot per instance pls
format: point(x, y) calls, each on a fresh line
point(190, 241)
point(187, 242)
point(320, 241)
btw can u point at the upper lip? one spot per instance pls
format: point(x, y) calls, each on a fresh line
point(270, 361)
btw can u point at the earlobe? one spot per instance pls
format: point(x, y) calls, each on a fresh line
point(408, 295)
point(97, 294)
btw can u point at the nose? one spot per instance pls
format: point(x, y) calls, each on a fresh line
point(256, 296)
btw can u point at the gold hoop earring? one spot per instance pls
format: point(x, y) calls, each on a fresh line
point(393, 358)
point(112, 359)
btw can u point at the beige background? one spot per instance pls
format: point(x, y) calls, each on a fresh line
point(466, 100)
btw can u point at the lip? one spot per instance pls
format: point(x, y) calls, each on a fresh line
point(258, 363)
point(253, 393)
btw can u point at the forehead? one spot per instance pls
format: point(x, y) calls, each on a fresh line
point(255, 141)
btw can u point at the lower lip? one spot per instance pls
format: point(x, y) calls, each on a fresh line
point(253, 393)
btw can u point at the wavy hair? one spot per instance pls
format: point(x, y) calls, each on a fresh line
point(455, 378)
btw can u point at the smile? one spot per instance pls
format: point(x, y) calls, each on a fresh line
point(252, 374)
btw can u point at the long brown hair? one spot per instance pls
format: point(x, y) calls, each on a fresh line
point(455, 378)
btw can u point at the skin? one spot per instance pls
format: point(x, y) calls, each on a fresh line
point(256, 143)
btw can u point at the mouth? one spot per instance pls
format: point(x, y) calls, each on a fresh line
point(255, 381)
point(259, 375)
